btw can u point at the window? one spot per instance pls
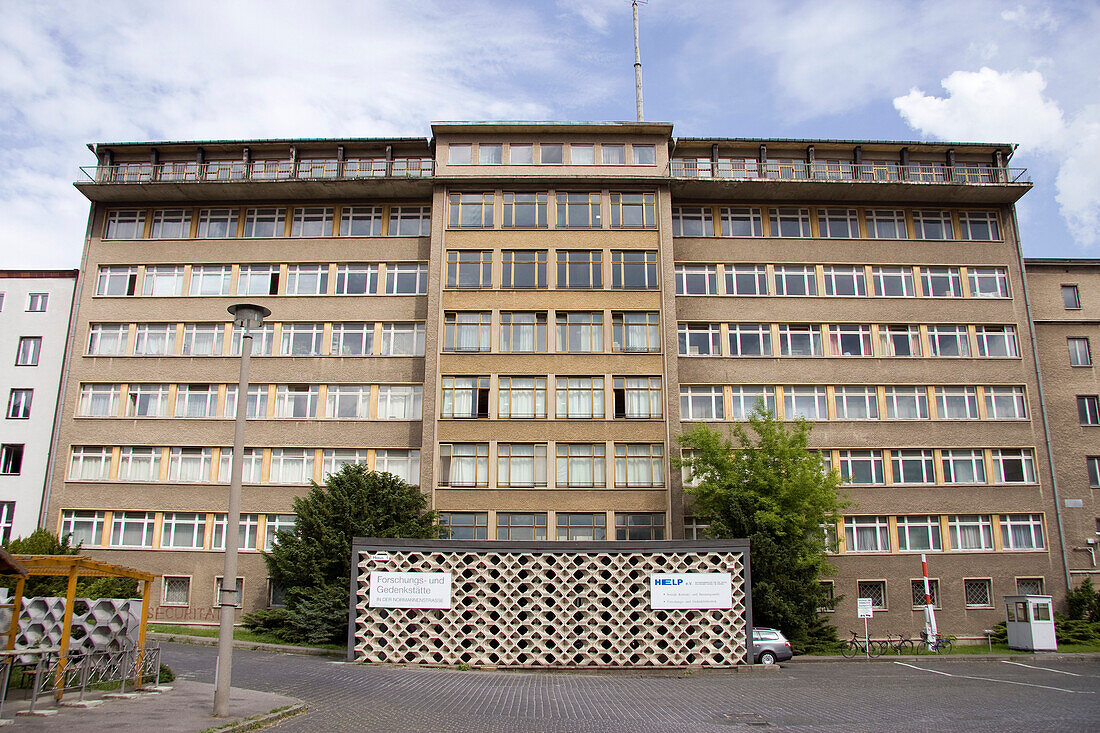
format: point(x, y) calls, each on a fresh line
point(746, 280)
point(238, 591)
point(580, 465)
point(987, 282)
point(128, 224)
point(132, 529)
point(307, 279)
point(333, 460)
point(582, 154)
point(919, 533)
point(850, 341)
point(1022, 532)
point(1013, 466)
point(466, 331)
point(522, 332)
point(997, 341)
point(917, 588)
point(578, 210)
point(11, 459)
point(155, 339)
point(644, 154)
point(348, 402)
point(469, 268)
point(302, 339)
point(402, 339)
point(36, 302)
point(410, 221)
point(263, 340)
point(352, 339)
point(749, 339)
point(1071, 298)
point(116, 281)
point(296, 401)
point(522, 398)
point(1029, 586)
point(962, 466)
point(862, 467)
point(886, 224)
point(139, 464)
point(913, 466)
point(941, 282)
point(695, 528)
point(906, 403)
point(460, 154)
point(635, 332)
point(810, 403)
point(523, 269)
point(746, 398)
point(970, 532)
point(471, 210)
point(258, 280)
point(197, 400)
point(948, 341)
point(742, 222)
point(1093, 464)
point(190, 464)
point(957, 403)
point(490, 153)
point(521, 154)
point(632, 210)
point(579, 397)
point(217, 223)
point(183, 530)
point(406, 279)
point(633, 270)
point(699, 339)
point(264, 222)
point(647, 526)
point(856, 403)
point(99, 400)
point(580, 269)
point(580, 332)
point(291, 465)
point(521, 464)
point(464, 464)
point(1079, 353)
point(177, 591)
point(867, 534)
point(350, 280)
point(255, 402)
point(697, 280)
point(578, 526)
point(464, 397)
point(463, 525)
point(163, 281)
point(613, 154)
point(89, 463)
point(202, 339)
point(1005, 403)
point(550, 153)
point(311, 221)
point(210, 279)
point(83, 527)
point(639, 464)
point(838, 223)
point(521, 526)
point(800, 340)
point(790, 222)
point(978, 592)
point(979, 226)
point(701, 403)
point(795, 280)
point(30, 348)
point(399, 402)
point(361, 221)
point(147, 400)
point(692, 221)
point(845, 281)
point(171, 224)
point(637, 397)
point(893, 282)
point(933, 225)
point(19, 404)
point(403, 463)
point(899, 340)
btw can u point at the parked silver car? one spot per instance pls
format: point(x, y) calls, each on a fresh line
point(770, 646)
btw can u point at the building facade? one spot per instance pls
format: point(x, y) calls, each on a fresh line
point(35, 306)
point(523, 317)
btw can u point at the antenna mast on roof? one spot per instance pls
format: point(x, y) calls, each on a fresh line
point(637, 63)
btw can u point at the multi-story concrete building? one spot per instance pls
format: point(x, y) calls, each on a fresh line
point(522, 317)
point(34, 320)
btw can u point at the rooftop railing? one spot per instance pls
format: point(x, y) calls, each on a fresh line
point(312, 169)
point(840, 170)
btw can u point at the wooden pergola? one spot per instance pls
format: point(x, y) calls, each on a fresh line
point(73, 567)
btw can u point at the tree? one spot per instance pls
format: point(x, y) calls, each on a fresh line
point(44, 542)
point(312, 561)
point(770, 488)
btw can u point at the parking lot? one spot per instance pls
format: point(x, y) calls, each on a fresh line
point(964, 693)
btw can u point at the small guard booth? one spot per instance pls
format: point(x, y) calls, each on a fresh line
point(1030, 623)
point(656, 604)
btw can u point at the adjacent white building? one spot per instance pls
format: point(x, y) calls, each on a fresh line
point(34, 324)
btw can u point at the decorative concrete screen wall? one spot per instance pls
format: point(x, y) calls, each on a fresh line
point(550, 604)
point(102, 623)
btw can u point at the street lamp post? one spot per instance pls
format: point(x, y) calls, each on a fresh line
point(245, 318)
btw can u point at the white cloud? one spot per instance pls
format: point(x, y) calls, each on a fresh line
point(1041, 18)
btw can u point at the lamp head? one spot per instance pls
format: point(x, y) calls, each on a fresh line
point(248, 315)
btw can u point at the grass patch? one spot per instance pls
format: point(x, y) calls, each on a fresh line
point(239, 634)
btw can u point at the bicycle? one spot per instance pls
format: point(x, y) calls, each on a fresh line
point(856, 645)
point(939, 644)
point(901, 645)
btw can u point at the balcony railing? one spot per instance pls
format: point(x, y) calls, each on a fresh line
point(839, 170)
point(312, 169)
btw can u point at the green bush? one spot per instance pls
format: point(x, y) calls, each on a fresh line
point(166, 674)
point(1000, 633)
point(821, 638)
point(1076, 631)
point(44, 542)
point(1083, 602)
point(274, 621)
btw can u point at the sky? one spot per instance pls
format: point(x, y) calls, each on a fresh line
point(73, 73)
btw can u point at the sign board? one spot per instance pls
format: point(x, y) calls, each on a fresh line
point(865, 607)
point(409, 590)
point(690, 590)
point(380, 557)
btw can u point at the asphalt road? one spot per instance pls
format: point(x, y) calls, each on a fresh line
point(961, 694)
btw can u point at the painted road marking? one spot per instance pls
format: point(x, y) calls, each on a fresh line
point(991, 679)
point(1045, 669)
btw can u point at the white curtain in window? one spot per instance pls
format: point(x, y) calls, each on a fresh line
point(522, 402)
point(523, 336)
point(637, 398)
point(464, 466)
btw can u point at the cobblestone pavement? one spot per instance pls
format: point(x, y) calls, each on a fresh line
point(970, 694)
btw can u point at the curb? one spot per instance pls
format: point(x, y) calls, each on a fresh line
point(253, 645)
point(1046, 656)
point(262, 721)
